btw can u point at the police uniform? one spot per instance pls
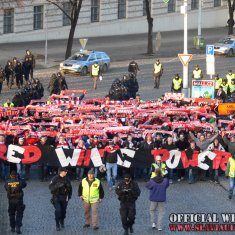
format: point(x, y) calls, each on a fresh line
point(127, 194)
point(155, 166)
point(61, 190)
point(197, 73)
point(157, 73)
point(14, 186)
point(2, 78)
point(177, 85)
point(218, 82)
point(95, 72)
point(91, 191)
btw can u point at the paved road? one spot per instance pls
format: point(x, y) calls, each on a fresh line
point(203, 197)
point(171, 66)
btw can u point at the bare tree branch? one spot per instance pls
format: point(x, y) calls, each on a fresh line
point(61, 8)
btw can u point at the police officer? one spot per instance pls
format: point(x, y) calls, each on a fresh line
point(232, 86)
point(177, 84)
point(157, 73)
point(158, 164)
point(95, 73)
point(230, 76)
point(225, 86)
point(128, 191)
point(133, 67)
point(134, 86)
point(61, 191)
point(14, 186)
point(218, 82)
point(8, 104)
point(197, 73)
point(91, 192)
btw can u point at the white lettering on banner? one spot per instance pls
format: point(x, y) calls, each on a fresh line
point(177, 155)
point(202, 157)
point(64, 162)
point(11, 153)
point(96, 158)
point(130, 153)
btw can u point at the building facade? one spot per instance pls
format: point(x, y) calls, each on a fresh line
point(33, 19)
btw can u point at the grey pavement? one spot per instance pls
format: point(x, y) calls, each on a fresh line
point(202, 197)
point(124, 47)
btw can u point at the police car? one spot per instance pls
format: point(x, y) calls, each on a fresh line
point(225, 46)
point(82, 61)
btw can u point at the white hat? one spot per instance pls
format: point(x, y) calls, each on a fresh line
point(158, 158)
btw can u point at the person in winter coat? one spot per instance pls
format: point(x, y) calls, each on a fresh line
point(9, 71)
point(27, 68)
point(158, 187)
point(19, 74)
point(62, 82)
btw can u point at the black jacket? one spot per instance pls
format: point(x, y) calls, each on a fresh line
point(14, 188)
point(127, 192)
point(111, 154)
point(61, 187)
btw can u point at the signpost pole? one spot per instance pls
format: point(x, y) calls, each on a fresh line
point(186, 90)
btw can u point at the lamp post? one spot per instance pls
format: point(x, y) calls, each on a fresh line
point(185, 68)
point(46, 32)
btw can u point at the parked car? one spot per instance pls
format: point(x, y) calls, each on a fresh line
point(82, 61)
point(225, 46)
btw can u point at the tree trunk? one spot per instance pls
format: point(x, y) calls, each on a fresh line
point(231, 20)
point(70, 40)
point(150, 29)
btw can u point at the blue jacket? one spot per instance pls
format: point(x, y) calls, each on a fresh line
point(157, 187)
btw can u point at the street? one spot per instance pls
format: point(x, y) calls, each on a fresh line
point(202, 197)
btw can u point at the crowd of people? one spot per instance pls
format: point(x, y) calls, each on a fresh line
point(170, 124)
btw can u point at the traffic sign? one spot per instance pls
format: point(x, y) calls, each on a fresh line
point(225, 109)
point(185, 58)
point(210, 50)
point(83, 42)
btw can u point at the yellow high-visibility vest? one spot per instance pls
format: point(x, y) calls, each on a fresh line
point(90, 193)
point(225, 88)
point(177, 83)
point(95, 70)
point(8, 106)
point(230, 77)
point(155, 166)
point(232, 87)
point(157, 68)
point(218, 83)
point(232, 167)
point(197, 74)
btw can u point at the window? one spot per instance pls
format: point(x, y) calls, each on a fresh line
point(92, 57)
point(38, 17)
point(67, 9)
point(8, 21)
point(121, 9)
point(144, 7)
point(217, 3)
point(95, 10)
point(171, 6)
point(194, 4)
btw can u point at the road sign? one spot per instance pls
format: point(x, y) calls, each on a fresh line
point(185, 58)
point(225, 109)
point(83, 42)
point(210, 50)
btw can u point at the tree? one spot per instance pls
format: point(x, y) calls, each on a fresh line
point(76, 6)
point(150, 27)
point(231, 8)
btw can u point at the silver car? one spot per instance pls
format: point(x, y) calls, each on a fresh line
point(225, 46)
point(82, 61)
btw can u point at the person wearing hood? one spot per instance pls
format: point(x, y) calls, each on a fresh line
point(158, 187)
